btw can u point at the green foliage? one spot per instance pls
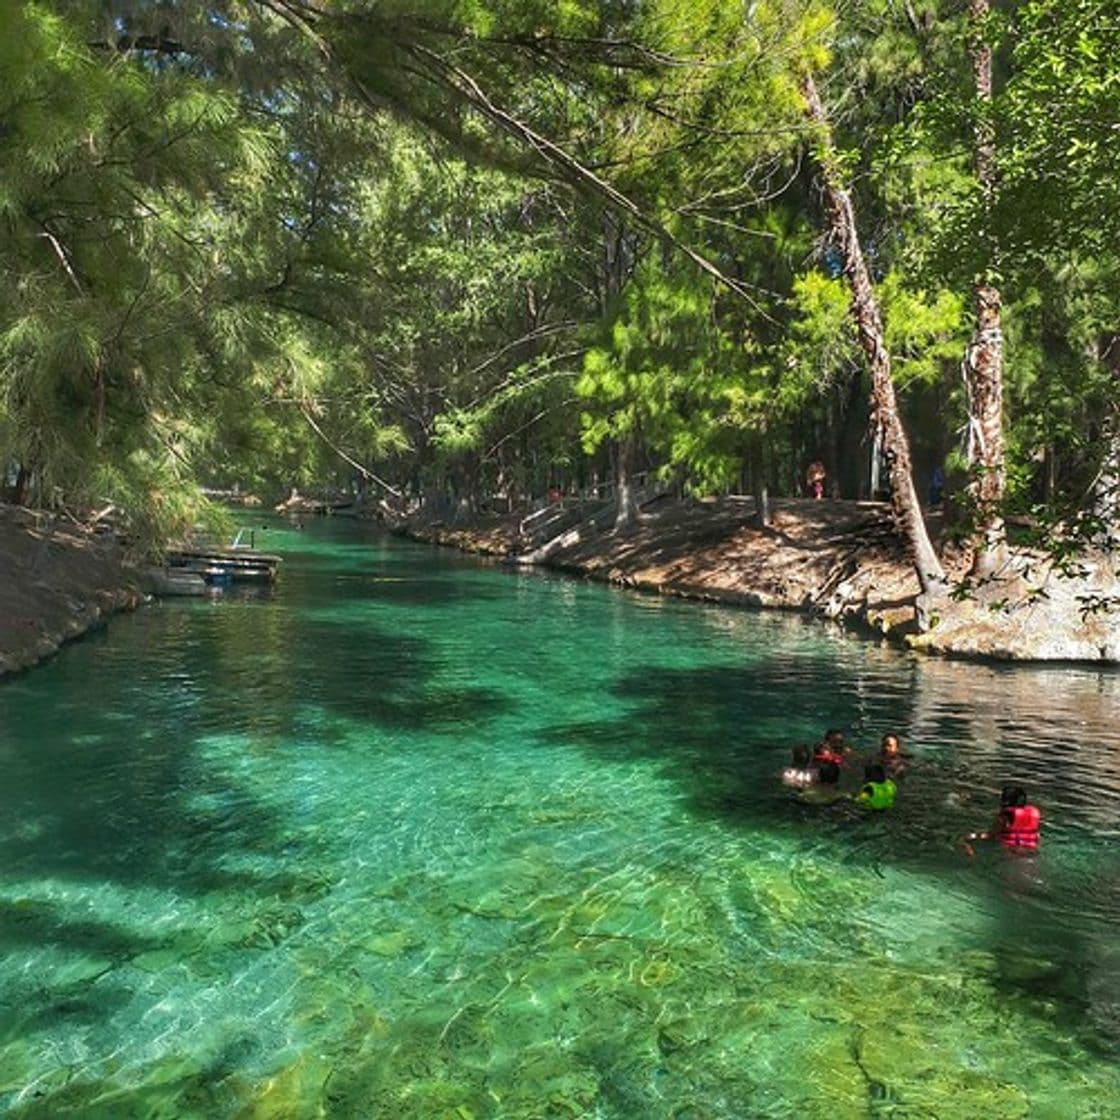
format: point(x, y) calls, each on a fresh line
point(1058, 121)
point(230, 255)
point(112, 183)
point(664, 371)
point(821, 346)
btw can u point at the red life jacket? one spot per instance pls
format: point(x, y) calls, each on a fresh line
point(1021, 824)
point(827, 754)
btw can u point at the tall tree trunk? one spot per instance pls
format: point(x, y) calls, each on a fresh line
point(1106, 496)
point(1106, 489)
point(18, 495)
point(983, 361)
point(760, 478)
point(626, 512)
point(885, 418)
point(834, 412)
point(615, 269)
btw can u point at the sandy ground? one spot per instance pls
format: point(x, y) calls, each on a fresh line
point(57, 580)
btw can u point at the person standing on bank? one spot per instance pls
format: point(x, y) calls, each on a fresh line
point(814, 477)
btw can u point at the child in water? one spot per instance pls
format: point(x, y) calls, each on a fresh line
point(800, 773)
point(831, 748)
point(1017, 825)
point(891, 758)
point(878, 791)
point(825, 790)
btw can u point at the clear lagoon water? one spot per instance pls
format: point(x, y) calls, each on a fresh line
point(420, 836)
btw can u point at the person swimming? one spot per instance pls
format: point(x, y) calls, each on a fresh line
point(831, 749)
point(825, 790)
point(800, 773)
point(1017, 826)
point(878, 791)
point(891, 758)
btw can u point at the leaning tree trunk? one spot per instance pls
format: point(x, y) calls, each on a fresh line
point(886, 421)
point(983, 361)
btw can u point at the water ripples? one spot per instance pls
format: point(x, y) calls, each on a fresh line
point(450, 840)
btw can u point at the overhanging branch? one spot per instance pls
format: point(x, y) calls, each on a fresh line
point(363, 470)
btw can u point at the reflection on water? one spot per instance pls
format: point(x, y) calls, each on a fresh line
point(417, 836)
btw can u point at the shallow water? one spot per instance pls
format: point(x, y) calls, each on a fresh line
point(417, 836)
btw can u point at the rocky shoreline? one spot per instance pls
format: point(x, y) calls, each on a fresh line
point(840, 561)
point(58, 581)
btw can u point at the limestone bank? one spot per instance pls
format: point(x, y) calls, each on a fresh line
point(57, 581)
point(838, 560)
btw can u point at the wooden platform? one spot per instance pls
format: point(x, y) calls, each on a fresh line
point(237, 565)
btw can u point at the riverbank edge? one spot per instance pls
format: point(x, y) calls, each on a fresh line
point(90, 616)
point(58, 583)
point(870, 591)
point(875, 599)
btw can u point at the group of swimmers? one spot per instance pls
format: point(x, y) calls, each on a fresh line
point(815, 773)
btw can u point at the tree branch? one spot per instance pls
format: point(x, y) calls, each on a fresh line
point(63, 256)
point(468, 89)
point(363, 470)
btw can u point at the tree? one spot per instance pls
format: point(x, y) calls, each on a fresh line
point(885, 417)
point(112, 202)
point(983, 361)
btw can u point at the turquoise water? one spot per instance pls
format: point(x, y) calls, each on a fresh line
point(418, 836)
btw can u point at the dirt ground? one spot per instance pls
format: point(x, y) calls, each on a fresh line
point(57, 580)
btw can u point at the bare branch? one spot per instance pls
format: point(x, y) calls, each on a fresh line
point(470, 91)
point(528, 424)
point(63, 256)
point(363, 470)
point(539, 332)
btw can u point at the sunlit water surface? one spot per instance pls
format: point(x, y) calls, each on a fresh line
point(417, 836)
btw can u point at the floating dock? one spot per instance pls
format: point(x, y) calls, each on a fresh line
point(225, 565)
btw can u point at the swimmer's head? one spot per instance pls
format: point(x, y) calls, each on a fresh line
point(834, 738)
point(1012, 797)
point(890, 747)
point(874, 773)
point(828, 773)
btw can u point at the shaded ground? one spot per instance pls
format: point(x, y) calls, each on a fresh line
point(57, 580)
